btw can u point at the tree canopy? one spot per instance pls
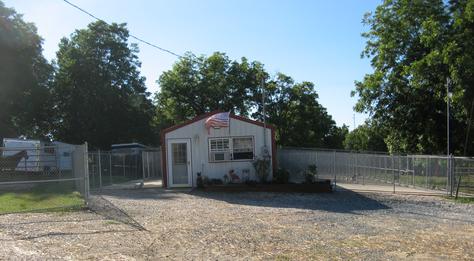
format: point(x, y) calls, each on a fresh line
point(366, 137)
point(24, 78)
point(94, 92)
point(299, 118)
point(199, 84)
point(414, 47)
point(99, 94)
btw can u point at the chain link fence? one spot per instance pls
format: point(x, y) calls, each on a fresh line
point(42, 177)
point(448, 174)
point(108, 168)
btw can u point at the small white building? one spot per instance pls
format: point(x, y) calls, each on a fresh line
point(191, 148)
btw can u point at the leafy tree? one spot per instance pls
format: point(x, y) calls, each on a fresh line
point(24, 78)
point(299, 118)
point(367, 137)
point(196, 85)
point(199, 84)
point(100, 96)
point(414, 46)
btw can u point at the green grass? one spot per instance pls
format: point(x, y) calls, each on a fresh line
point(463, 200)
point(432, 182)
point(55, 196)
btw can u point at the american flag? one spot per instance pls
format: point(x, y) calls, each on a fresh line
point(217, 120)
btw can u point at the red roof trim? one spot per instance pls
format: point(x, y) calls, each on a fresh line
point(269, 126)
point(193, 120)
point(203, 116)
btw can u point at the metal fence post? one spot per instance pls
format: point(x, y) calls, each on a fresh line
point(393, 174)
point(100, 170)
point(426, 171)
point(334, 168)
point(86, 173)
point(366, 170)
point(451, 174)
point(447, 175)
point(148, 165)
point(93, 167)
point(412, 169)
point(143, 164)
point(356, 168)
point(399, 168)
point(110, 167)
point(123, 164)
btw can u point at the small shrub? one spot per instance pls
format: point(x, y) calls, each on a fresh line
point(281, 176)
point(311, 174)
point(262, 168)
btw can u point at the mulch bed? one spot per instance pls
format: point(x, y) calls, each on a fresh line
point(321, 186)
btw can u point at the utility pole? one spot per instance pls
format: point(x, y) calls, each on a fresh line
point(448, 158)
point(354, 118)
point(265, 148)
point(448, 94)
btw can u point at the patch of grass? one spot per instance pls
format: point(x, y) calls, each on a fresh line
point(463, 200)
point(282, 258)
point(55, 196)
point(112, 222)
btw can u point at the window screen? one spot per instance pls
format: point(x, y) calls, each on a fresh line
point(242, 148)
point(227, 149)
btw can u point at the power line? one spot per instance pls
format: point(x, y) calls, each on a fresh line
point(131, 35)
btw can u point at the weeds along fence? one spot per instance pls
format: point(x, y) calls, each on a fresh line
point(450, 174)
point(107, 168)
point(43, 177)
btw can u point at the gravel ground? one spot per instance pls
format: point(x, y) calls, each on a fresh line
point(217, 226)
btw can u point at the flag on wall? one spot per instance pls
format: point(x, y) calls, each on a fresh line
point(217, 120)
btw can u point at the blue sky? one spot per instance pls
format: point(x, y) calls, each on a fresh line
point(317, 41)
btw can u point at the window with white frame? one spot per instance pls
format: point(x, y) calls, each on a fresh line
point(242, 148)
point(233, 148)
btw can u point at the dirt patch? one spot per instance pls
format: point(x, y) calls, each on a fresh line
point(227, 226)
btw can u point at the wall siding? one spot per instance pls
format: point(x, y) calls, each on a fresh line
point(200, 151)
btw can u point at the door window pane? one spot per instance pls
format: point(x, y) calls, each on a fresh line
point(180, 163)
point(179, 153)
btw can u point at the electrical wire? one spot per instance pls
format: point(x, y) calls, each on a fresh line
point(131, 35)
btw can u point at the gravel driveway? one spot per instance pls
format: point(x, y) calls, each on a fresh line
point(202, 226)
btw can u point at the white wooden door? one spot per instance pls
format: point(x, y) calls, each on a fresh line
point(179, 162)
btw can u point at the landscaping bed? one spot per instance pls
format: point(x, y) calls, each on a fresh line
point(319, 186)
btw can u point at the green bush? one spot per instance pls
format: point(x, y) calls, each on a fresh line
point(281, 176)
point(262, 168)
point(311, 174)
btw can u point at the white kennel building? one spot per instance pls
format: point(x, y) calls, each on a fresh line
point(191, 148)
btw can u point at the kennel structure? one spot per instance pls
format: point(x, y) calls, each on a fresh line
point(196, 147)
